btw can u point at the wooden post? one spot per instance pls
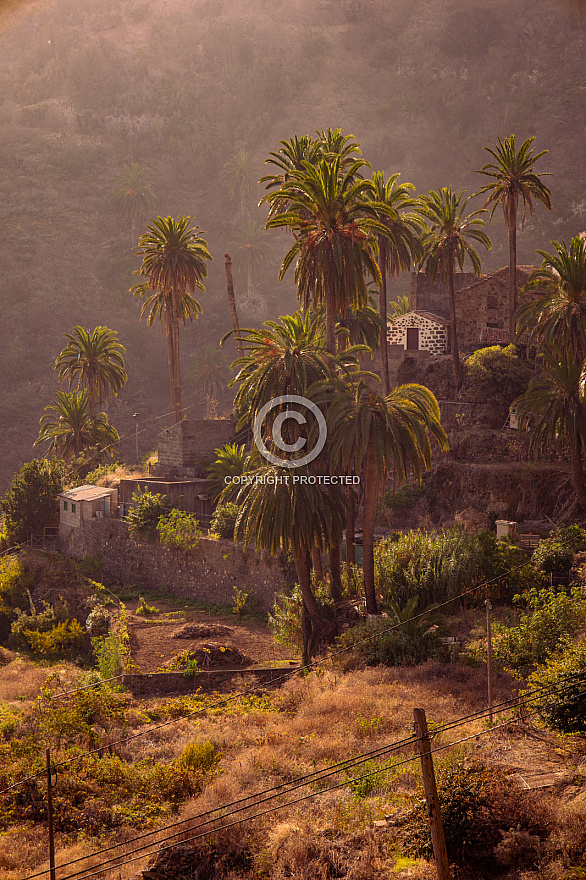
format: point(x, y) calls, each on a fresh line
point(50, 817)
point(489, 658)
point(433, 808)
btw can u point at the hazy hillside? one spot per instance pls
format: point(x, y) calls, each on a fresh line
point(88, 85)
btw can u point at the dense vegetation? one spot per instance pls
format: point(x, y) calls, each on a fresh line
point(182, 90)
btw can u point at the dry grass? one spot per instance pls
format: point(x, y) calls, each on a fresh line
point(21, 680)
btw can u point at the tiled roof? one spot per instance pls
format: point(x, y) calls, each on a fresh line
point(86, 493)
point(429, 316)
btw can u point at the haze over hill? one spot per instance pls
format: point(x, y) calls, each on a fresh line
point(86, 87)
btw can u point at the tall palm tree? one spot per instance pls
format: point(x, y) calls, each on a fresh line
point(278, 515)
point(70, 427)
point(559, 315)
point(389, 203)
point(134, 197)
point(251, 246)
point(334, 245)
point(556, 402)
point(289, 158)
point(241, 175)
point(208, 370)
point(173, 262)
point(446, 242)
point(375, 432)
point(95, 360)
point(513, 178)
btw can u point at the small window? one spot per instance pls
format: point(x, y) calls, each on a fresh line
point(65, 505)
point(73, 507)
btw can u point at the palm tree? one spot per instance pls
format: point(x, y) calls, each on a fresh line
point(208, 371)
point(559, 315)
point(251, 247)
point(375, 432)
point(513, 178)
point(445, 242)
point(279, 514)
point(388, 203)
point(95, 359)
point(289, 158)
point(173, 262)
point(70, 427)
point(400, 306)
point(134, 196)
point(231, 461)
point(333, 245)
point(241, 175)
point(556, 402)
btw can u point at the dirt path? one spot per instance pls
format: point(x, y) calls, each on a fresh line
point(152, 643)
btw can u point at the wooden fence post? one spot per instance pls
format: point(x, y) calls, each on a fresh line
point(433, 808)
point(489, 658)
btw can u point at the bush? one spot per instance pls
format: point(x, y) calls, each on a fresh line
point(572, 536)
point(477, 804)
point(377, 643)
point(50, 633)
point(144, 608)
point(496, 376)
point(179, 530)
point(31, 502)
point(224, 520)
point(98, 622)
point(148, 509)
point(285, 615)
point(552, 557)
point(563, 708)
point(200, 760)
point(551, 616)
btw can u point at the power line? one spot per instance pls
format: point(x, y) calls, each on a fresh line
point(318, 775)
point(285, 676)
point(82, 875)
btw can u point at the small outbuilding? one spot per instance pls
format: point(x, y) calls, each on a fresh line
point(419, 331)
point(84, 503)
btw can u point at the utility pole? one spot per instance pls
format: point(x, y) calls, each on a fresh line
point(433, 808)
point(50, 817)
point(135, 417)
point(489, 658)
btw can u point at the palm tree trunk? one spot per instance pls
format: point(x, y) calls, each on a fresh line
point(512, 270)
point(330, 330)
point(316, 562)
point(322, 628)
point(335, 573)
point(382, 303)
point(454, 324)
point(232, 301)
point(170, 351)
point(370, 496)
point(177, 414)
point(350, 529)
point(577, 472)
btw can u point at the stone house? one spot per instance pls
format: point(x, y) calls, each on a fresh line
point(419, 331)
point(84, 503)
point(184, 446)
point(482, 304)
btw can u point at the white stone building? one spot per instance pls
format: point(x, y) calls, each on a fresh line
point(419, 331)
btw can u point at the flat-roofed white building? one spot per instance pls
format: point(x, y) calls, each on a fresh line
point(84, 503)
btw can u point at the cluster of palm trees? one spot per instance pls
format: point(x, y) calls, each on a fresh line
point(74, 423)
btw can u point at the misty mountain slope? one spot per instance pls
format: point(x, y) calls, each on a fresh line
point(86, 87)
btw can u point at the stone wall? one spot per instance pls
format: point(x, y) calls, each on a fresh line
point(433, 337)
point(183, 494)
point(209, 573)
point(186, 444)
point(434, 297)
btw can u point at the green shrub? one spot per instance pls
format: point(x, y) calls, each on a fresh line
point(551, 615)
point(31, 502)
point(376, 642)
point(101, 471)
point(572, 536)
point(563, 708)
point(438, 566)
point(224, 520)
point(148, 509)
point(496, 376)
point(402, 500)
point(49, 633)
point(552, 557)
point(112, 652)
point(179, 530)
point(285, 615)
point(144, 608)
point(200, 760)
